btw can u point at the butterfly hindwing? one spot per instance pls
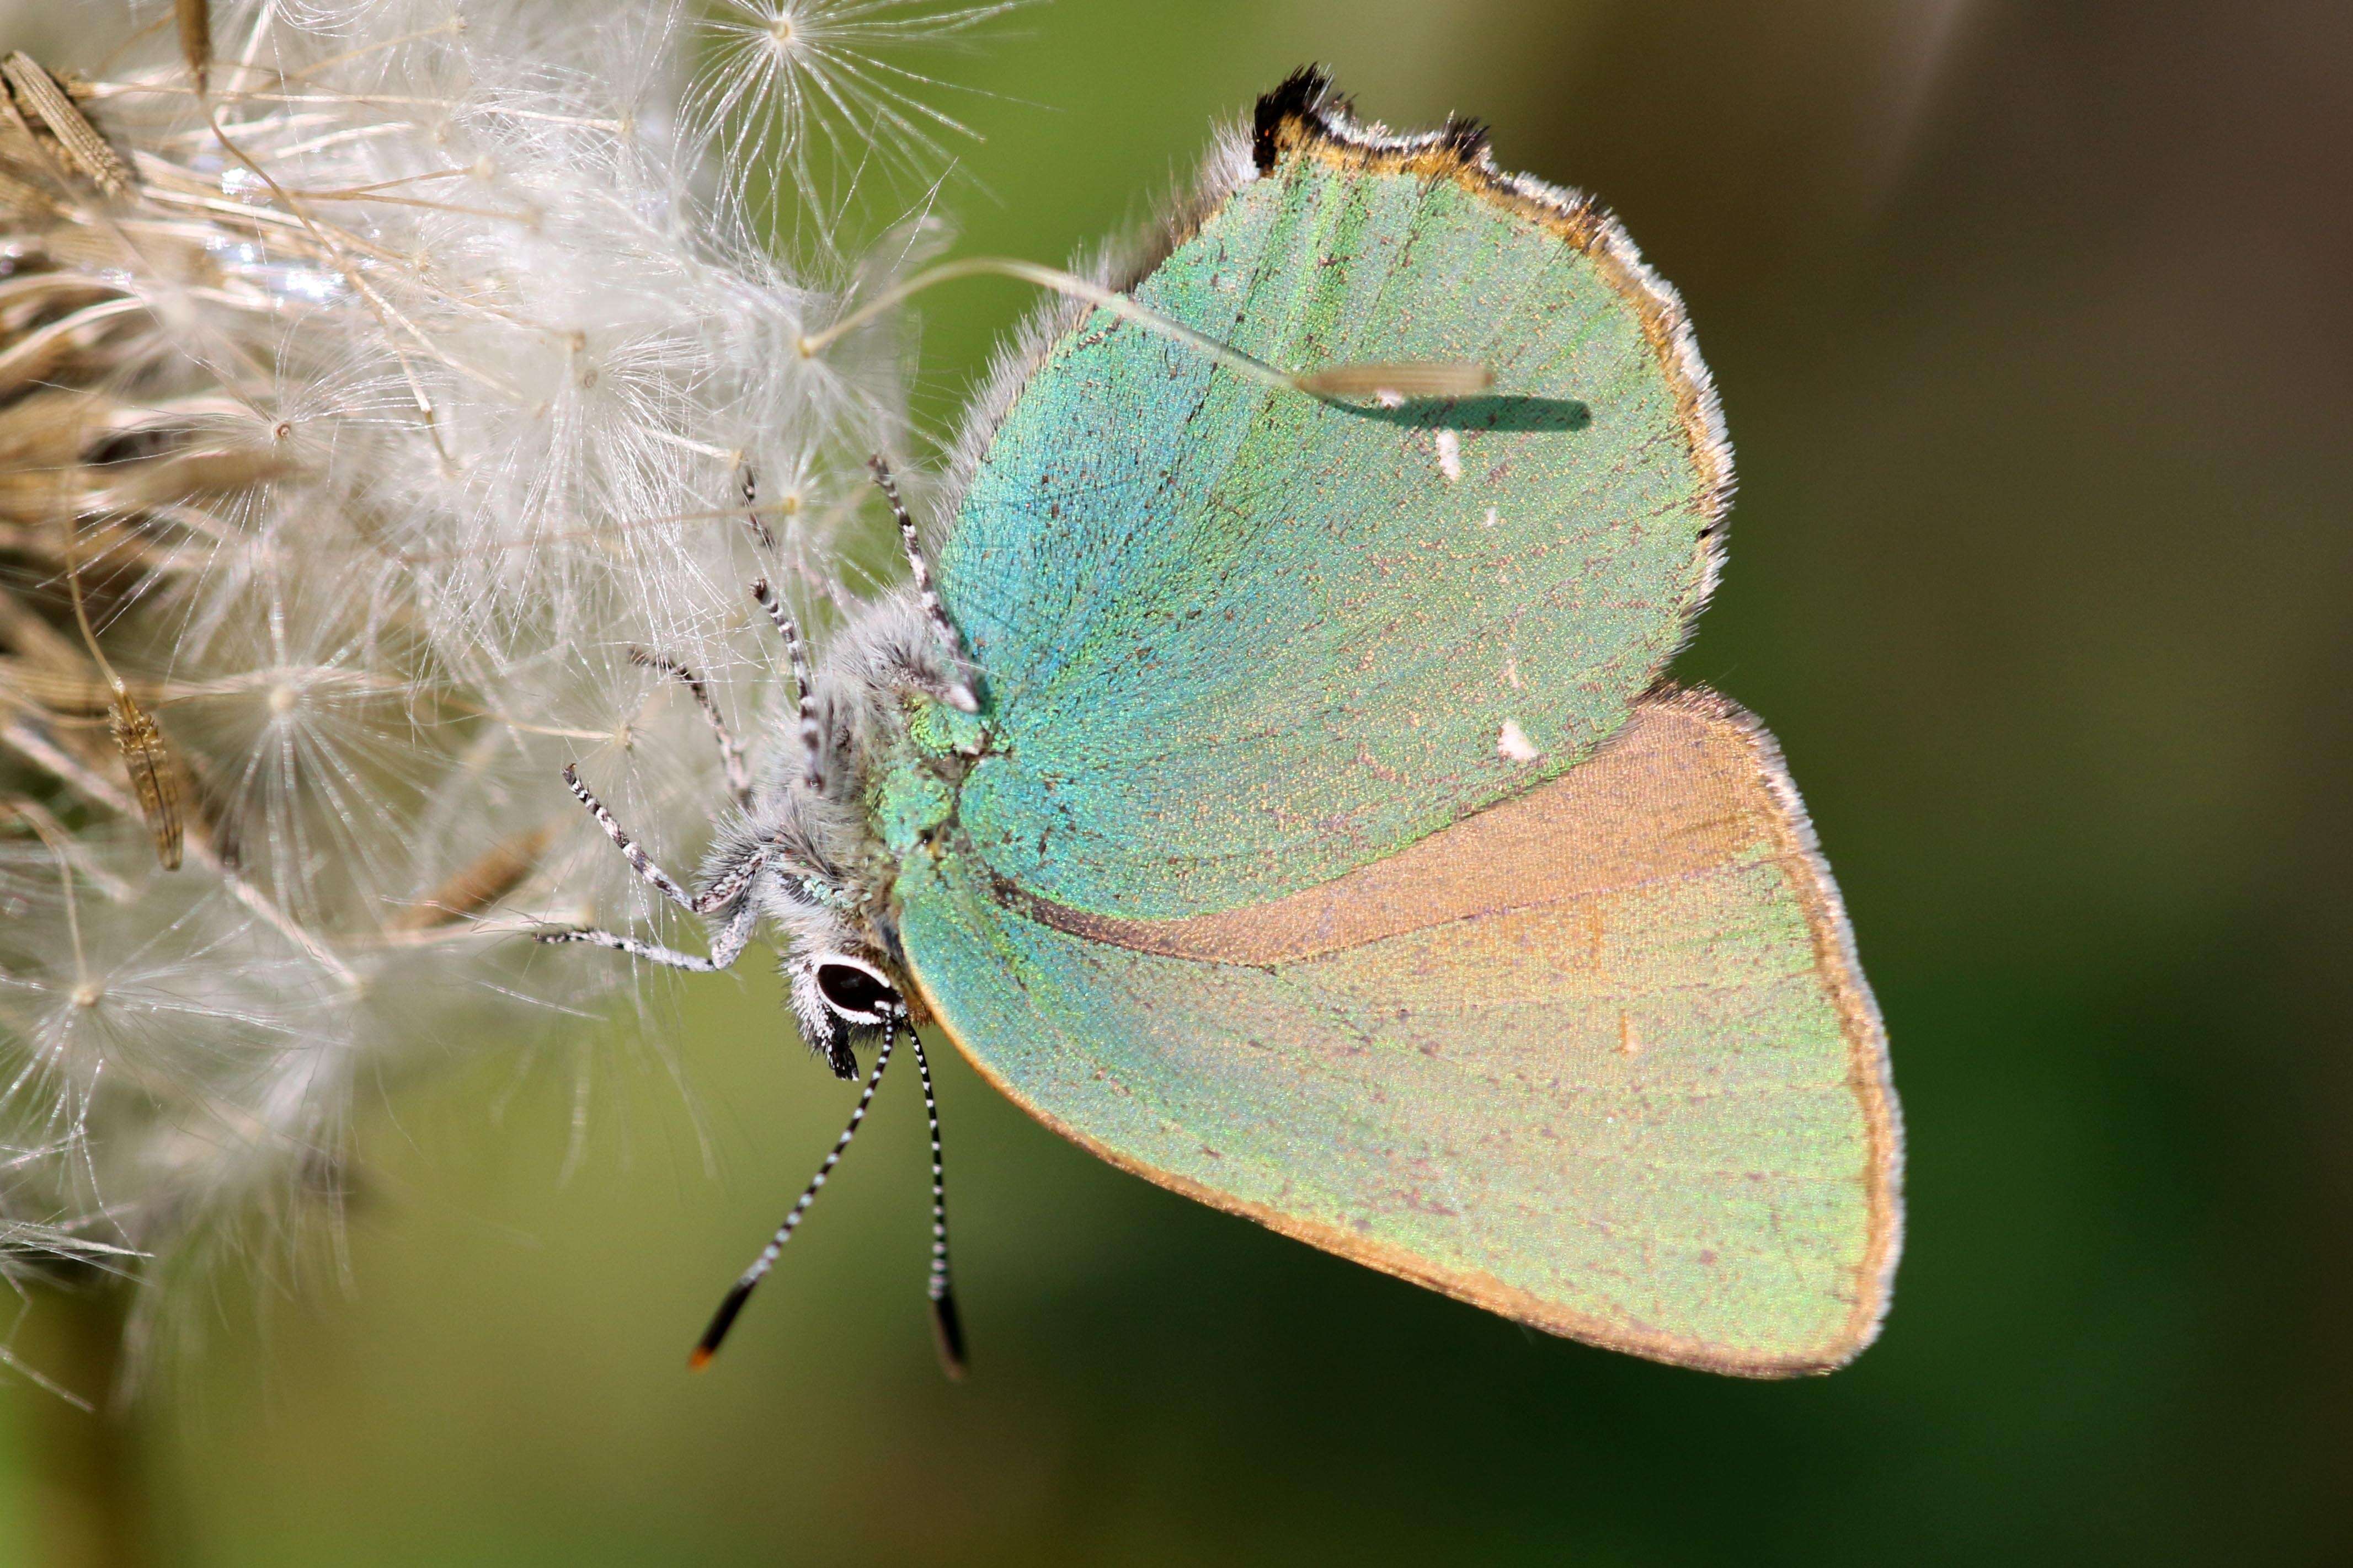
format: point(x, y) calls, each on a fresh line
point(1598, 1058)
point(1238, 640)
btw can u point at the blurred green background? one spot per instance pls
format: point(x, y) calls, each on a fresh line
point(2032, 325)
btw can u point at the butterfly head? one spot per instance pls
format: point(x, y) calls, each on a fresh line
point(843, 1000)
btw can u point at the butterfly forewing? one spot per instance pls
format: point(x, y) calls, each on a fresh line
point(1238, 640)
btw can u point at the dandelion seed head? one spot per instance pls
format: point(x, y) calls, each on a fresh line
point(376, 428)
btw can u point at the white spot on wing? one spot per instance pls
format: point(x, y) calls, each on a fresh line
point(1513, 744)
point(1450, 455)
point(1491, 519)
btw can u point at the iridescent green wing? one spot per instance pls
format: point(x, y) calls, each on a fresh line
point(1236, 641)
point(1598, 1059)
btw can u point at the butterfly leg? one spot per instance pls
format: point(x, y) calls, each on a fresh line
point(731, 750)
point(958, 692)
point(749, 484)
point(729, 946)
point(812, 732)
point(653, 876)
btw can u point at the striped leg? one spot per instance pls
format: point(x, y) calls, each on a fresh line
point(719, 894)
point(732, 939)
point(812, 732)
point(959, 692)
point(729, 884)
point(725, 1318)
point(731, 750)
point(751, 492)
point(946, 1326)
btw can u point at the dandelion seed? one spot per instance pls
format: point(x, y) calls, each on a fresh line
point(817, 89)
point(38, 97)
point(154, 778)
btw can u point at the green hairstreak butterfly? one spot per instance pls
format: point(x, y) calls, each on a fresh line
point(1273, 788)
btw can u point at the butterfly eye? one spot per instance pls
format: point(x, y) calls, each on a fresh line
point(856, 991)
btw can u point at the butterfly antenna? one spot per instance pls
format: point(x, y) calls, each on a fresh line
point(725, 1318)
point(1350, 382)
point(812, 732)
point(946, 1326)
point(959, 692)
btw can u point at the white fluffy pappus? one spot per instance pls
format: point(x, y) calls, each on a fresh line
point(379, 402)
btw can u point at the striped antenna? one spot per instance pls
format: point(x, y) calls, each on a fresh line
point(812, 732)
point(725, 1318)
point(959, 692)
point(946, 1326)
